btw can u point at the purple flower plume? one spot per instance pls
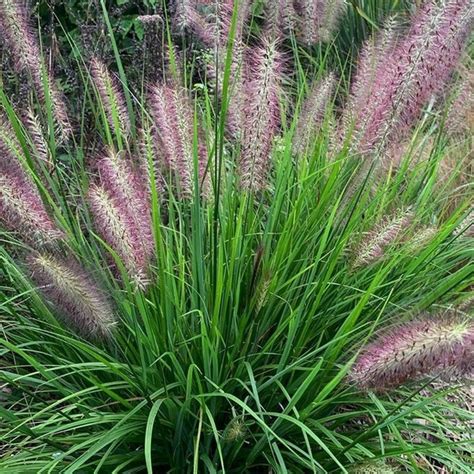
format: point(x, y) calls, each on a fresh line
point(111, 97)
point(21, 207)
point(35, 130)
point(313, 113)
point(280, 17)
point(377, 240)
point(18, 35)
point(210, 21)
point(173, 116)
point(433, 345)
point(121, 209)
point(23, 211)
point(412, 70)
point(263, 90)
point(318, 19)
point(74, 294)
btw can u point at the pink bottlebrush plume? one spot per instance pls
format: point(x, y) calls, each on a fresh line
point(188, 17)
point(263, 90)
point(318, 19)
point(10, 148)
point(371, 57)
point(313, 113)
point(123, 183)
point(17, 33)
point(111, 97)
point(280, 18)
point(236, 92)
point(21, 207)
point(460, 118)
point(74, 293)
point(373, 245)
point(148, 164)
point(210, 21)
point(23, 211)
point(116, 226)
point(173, 120)
point(417, 68)
point(431, 346)
point(41, 148)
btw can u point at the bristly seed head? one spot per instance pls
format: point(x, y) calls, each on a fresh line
point(406, 73)
point(121, 209)
point(111, 97)
point(74, 294)
point(313, 113)
point(373, 245)
point(262, 92)
point(22, 210)
point(173, 117)
point(431, 346)
point(318, 19)
point(16, 31)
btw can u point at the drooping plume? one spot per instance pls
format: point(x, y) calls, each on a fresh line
point(433, 345)
point(18, 35)
point(21, 207)
point(375, 242)
point(318, 19)
point(263, 90)
point(74, 294)
point(173, 117)
point(111, 97)
point(121, 209)
point(313, 113)
point(23, 211)
point(413, 69)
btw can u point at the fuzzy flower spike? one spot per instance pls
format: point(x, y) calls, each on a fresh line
point(174, 128)
point(313, 113)
point(121, 210)
point(111, 97)
point(318, 19)
point(263, 90)
point(434, 345)
point(21, 208)
point(18, 35)
point(413, 69)
point(74, 294)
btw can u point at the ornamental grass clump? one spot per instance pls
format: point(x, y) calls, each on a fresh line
point(219, 260)
point(431, 346)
